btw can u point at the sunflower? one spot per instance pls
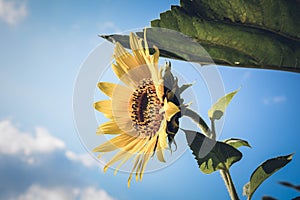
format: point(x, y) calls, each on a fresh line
point(139, 110)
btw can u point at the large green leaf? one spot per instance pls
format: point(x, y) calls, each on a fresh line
point(218, 109)
point(171, 44)
point(264, 171)
point(211, 155)
point(245, 33)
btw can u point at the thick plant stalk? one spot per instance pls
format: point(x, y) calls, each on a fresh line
point(229, 184)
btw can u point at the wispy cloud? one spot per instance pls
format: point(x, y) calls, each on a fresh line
point(109, 27)
point(84, 159)
point(38, 192)
point(12, 11)
point(274, 100)
point(246, 76)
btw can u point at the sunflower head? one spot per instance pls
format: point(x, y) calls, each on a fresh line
point(143, 110)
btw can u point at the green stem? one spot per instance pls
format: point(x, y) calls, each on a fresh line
point(229, 184)
point(198, 120)
point(212, 134)
point(213, 129)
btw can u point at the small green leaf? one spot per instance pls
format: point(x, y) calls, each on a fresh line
point(264, 171)
point(268, 198)
point(236, 143)
point(184, 87)
point(287, 184)
point(218, 109)
point(211, 155)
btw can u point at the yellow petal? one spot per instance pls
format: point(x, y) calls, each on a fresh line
point(162, 142)
point(121, 94)
point(115, 143)
point(118, 70)
point(131, 152)
point(146, 43)
point(159, 88)
point(137, 48)
point(142, 159)
point(170, 109)
point(125, 124)
point(105, 107)
point(137, 159)
point(126, 158)
point(160, 154)
point(124, 59)
point(153, 65)
point(154, 73)
point(123, 76)
point(146, 159)
point(109, 127)
point(140, 165)
point(139, 73)
point(109, 88)
point(147, 151)
point(116, 158)
point(155, 56)
point(127, 151)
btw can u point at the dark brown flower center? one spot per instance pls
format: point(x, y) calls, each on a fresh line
point(145, 109)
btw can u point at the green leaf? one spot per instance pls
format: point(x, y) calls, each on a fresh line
point(171, 44)
point(236, 143)
point(184, 87)
point(264, 171)
point(211, 155)
point(218, 109)
point(268, 198)
point(230, 30)
point(287, 184)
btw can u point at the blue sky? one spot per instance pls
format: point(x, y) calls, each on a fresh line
point(43, 45)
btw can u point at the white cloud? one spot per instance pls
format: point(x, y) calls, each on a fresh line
point(91, 193)
point(38, 151)
point(12, 11)
point(38, 192)
point(84, 159)
point(274, 100)
point(14, 141)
